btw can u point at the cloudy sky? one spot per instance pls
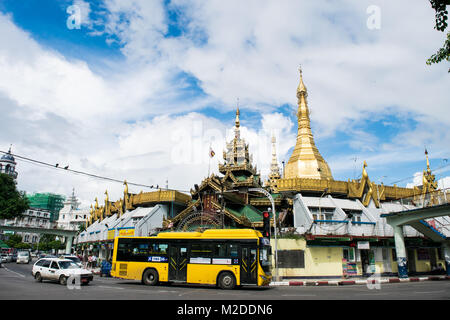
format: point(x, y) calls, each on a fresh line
point(140, 89)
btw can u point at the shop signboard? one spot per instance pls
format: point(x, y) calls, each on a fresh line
point(363, 245)
point(126, 232)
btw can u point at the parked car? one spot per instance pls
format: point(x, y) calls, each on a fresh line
point(75, 259)
point(23, 257)
point(13, 257)
point(60, 270)
point(6, 258)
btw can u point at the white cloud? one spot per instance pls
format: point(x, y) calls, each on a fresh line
point(129, 121)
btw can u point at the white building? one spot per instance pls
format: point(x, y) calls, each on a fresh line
point(8, 165)
point(31, 218)
point(71, 216)
point(143, 221)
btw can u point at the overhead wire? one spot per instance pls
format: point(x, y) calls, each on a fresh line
point(78, 172)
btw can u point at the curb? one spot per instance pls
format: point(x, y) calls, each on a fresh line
point(355, 282)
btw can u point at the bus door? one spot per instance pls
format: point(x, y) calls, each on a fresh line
point(178, 259)
point(249, 265)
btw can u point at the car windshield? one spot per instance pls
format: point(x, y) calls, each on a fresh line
point(74, 259)
point(23, 254)
point(68, 265)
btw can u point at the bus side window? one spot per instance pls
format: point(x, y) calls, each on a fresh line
point(220, 250)
point(232, 250)
point(158, 248)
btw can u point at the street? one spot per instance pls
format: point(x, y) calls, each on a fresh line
point(17, 283)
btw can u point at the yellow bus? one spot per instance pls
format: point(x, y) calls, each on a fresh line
point(223, 257)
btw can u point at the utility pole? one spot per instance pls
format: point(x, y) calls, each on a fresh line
point(269, 196)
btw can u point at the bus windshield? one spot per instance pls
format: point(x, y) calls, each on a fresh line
point(265, 255)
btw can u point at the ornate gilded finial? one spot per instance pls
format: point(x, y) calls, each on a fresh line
point(107, 198)
point(301, 89)
point(428, 162)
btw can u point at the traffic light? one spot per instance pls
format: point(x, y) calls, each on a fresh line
point(266, 224)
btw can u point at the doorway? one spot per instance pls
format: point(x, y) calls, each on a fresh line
point(411, 260)
point(249, 265)
point(178, 255)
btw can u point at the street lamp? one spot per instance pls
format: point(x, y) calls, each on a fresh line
point(269, 196)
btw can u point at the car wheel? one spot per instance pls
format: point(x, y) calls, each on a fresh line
point(150, 277)
point(62, 280)
point(38, 277)
point(227, 281)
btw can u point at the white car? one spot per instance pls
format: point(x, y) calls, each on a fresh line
point(23, 257)
point(60, 270)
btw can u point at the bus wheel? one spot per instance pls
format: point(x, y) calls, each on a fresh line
point(150, 277)
point(227, 281)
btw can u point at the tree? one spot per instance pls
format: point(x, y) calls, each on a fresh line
point(441, 24)
point(12, 202)
point(13, 240)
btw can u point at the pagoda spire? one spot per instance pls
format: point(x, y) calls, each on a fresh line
point(274, 169)
point(306, 161)
point(237, 123)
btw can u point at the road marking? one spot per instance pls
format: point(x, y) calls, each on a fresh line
point(109, 287)
point(19, 274)
point(428, 292)
point(299, 295)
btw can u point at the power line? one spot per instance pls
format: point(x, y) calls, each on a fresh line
point(66, 168)
point(434, 170)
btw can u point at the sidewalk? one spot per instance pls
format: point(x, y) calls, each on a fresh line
point(357, 281)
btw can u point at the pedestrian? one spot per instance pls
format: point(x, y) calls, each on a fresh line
point(94, 261)
point(85, 259)
point(89, 261)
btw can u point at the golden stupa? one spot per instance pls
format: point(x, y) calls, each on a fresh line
point(305, 161)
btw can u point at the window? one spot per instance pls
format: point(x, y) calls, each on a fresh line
point(291, 258)
point(201, 250)
point(222, 250)
point(349, 254)
point(43, 263)
point(322, 213)
point(54, 265)
point(46, 263)
point(201, 253)
point(355, 215)
point(423, 254)
point(158, 248)
point(139, 249)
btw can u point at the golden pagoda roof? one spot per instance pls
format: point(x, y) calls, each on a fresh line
point(305, 161)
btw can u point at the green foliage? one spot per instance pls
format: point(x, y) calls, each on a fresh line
point(23, 245)
point(441, 14)
point(12, 202)
point(13, 240)
point(441, 24)
point(442, 54)
point(47, 242)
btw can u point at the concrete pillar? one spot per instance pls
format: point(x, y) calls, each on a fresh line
point(447, 257)
point(401, 252)
point(69, 241)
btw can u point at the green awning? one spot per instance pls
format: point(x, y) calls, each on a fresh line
point(3, 245)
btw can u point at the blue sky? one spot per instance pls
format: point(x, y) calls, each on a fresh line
point(109, 96)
